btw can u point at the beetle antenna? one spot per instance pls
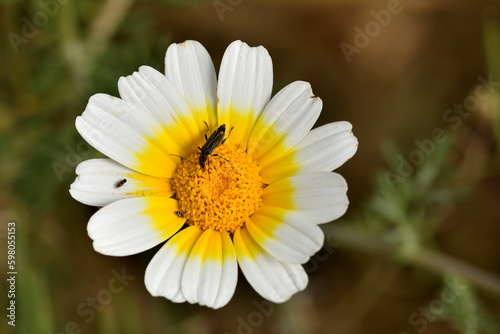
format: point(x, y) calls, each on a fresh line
point(182, 159)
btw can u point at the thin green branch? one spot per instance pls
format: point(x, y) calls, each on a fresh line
point(80, 54)
point(440, 262)
point(105, 25)
point(424, 258)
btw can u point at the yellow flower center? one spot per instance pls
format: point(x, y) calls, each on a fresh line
point(222, 195)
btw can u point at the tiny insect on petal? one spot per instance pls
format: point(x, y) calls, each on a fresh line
point(120, 183)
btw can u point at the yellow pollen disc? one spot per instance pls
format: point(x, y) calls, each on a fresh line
point(222, 195)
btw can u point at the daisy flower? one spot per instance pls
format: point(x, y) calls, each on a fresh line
point(253, 195)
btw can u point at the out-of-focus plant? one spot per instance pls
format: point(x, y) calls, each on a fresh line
point(406, 212)
point(50, 79)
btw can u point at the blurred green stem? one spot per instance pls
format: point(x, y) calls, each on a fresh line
point(424, 258)
point(410, 243)
point(72, 48)
point(491, 37)
point(80, 55)
point(439, 262)
point(105, 24)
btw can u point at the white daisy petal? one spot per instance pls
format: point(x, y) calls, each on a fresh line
point(272, 279)
point(118, 130)
point(151, 92)
point(288, 237)
point(164, 272)
point(100, 182)
point(133, 225)
point(320, 196)
point(229, 277)
point(286, 120)
point(190, 68)
point(199, 272)
point(211, 264)
point(244, 88)
point(321, 150)
point(326, 148)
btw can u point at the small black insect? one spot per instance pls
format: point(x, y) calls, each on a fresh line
point(215, 140)
point(120, 183)
point(179, 214)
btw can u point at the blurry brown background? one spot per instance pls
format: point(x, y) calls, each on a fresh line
point(396, 90)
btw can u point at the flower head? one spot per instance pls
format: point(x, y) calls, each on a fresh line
point(223, 172)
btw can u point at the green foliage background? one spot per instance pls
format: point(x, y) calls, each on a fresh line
point(408, 232)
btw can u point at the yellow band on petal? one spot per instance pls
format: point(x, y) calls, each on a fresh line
point(262, 227)
point(284, 167)
point(161, 213)
point(280, 195)
point(208, 247)
point(157, 147)
point(241, 121)
point(245, 245)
